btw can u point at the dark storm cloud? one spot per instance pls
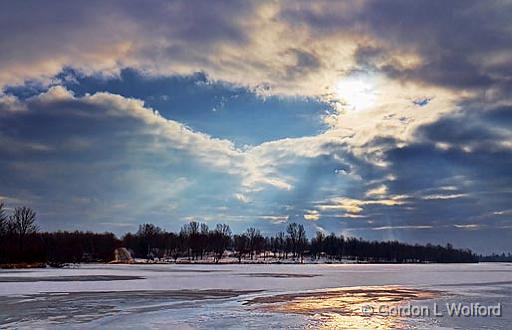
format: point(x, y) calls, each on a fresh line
point(194, 20)
point(306, 62)
point(464, 182)
point(463, 44)
point(454, 175)
point(451, 182)
point(454, 40)
point(467, 147)
point(44, 38)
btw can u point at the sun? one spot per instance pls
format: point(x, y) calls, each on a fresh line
point(357, 93)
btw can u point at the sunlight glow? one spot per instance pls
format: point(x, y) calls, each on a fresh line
point(357, 93)
point(343, 308)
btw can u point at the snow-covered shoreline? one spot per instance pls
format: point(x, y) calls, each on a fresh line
point(216, 295)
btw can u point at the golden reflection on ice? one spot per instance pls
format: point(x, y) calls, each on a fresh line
point(345, 308)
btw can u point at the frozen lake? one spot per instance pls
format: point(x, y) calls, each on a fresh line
point(256, 296)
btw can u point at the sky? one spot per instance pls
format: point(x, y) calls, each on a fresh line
point(386, 120)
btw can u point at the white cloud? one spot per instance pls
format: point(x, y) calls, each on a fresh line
point(402, 227)
point(377, 191)
point(251, 45)
point(276, 219)
point(468, 226)
point(356, 206)
point(241, 198)
point(312, 215)
point(257, 166)
point(441, 197)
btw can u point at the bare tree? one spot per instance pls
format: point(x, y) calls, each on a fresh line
point(3, 220)
point(302, 242)
point(192, 234)
point(298, 240)
point(281, 243)
point(317, 245)
point(254, 239)
point(240, 244)
point(292, 231)
point(3, 232)
point(220, 239)
point(203, 239)
point(147, 234)
point(23, 222)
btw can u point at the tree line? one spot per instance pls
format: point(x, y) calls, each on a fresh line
point(496, 257)
point(21, 241)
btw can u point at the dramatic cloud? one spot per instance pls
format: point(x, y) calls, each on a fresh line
point(94, 151)
point(81, 150)
point(383, 119)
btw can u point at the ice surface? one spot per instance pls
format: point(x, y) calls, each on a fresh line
point(216, 296)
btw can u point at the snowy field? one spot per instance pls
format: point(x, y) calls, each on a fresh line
point(254, 296)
